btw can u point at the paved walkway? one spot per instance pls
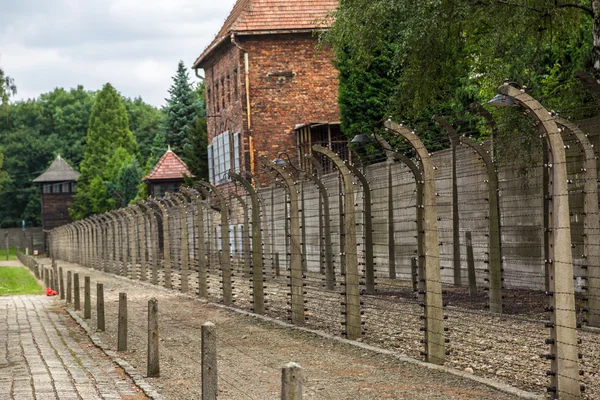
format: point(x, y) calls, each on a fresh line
point(45, 355)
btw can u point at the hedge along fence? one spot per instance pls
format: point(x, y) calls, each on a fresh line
point(352, 251)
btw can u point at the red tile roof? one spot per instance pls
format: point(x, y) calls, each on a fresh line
point(272, 16)
point(169, 167)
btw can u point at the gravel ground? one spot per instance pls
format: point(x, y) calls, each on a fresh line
point(251, 352)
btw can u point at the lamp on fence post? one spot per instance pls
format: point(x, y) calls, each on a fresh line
point(296, 278)
point(257, 256)
point(563, 324)
point(432, 290)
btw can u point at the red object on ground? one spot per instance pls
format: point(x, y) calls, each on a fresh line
point(50, 292)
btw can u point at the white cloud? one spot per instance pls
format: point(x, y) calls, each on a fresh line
point(134, 44)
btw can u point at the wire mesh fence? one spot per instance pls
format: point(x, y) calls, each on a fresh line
point(354, 252)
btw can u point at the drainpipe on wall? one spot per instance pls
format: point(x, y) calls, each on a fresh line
point(247, 81)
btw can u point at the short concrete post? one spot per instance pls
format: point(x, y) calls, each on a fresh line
point(100, 325)
point(61, 283)
point(69, 291)
point(210, 387)
point(76, 292)
point(153, 368)
point(471, 265)
point(87, 299)
point(122, 323)
point(277, 270)
point(291, 382)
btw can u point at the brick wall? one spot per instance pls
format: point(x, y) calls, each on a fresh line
point(291, 82)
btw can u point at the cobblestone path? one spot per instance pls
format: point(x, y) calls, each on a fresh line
point(44, 355)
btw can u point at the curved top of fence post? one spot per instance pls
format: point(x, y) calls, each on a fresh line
point(281, 171)
point(274, 181)
point(217, 192)
point(160, 205)
point(414, 141)
point(582, 138)
point(480, 110)
point(448, 128)
point(396, 156)
point(247, 185)
point(315, 163)
point(339, 163)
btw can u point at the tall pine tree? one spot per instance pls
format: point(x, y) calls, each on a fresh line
point(108, 130)
point(180, 110)
point(195, 153)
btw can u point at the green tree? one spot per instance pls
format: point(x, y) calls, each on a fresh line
point(145, 121)
point(180, 110)
point(442, 55)
point(108, 130)
point(7, 88)
point(195, 153)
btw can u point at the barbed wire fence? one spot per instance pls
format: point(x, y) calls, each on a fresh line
point(452, 257)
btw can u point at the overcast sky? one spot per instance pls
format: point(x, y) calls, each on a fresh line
point(133, 44)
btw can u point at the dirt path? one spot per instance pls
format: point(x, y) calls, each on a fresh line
point(251, 353)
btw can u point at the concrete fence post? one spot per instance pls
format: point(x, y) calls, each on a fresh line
point(201, 255)
point(122, 323)
point(494, 239)
point(100, 322)
point(295, 236)
point(69, 289)
point(324, 224)
point(76, 292)
point(180, 201)
point(591, 223)
point(257, 266)
point(210, 386)
point(564, 374)
point(87, 300)
point(153, 367)
point(225, 248)
point(456, 261)
point(431, 279)
point(291, 382)
point(471, 265)
point(353, 318)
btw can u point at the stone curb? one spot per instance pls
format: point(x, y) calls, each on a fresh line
point(484, 381)
point(137, 378)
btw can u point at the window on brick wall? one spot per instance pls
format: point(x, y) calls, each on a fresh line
point(223, 155)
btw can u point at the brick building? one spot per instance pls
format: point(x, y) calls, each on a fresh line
point(265, 77)
point(57, 186)
point(167, 175)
